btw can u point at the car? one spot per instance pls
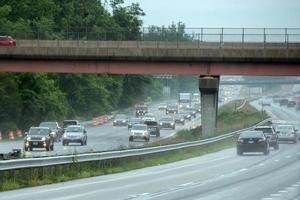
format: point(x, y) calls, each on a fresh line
point(39, 137)
point(153, 127)
point(287, 132)
point(133, 121)
point(265, 102)
point(141, 110)
point(54, 127)
point(162, 106)
point(7, 41)
point(252, 141)
point(167, 122)
point(187, 115)
point(139, 131)
point(193, 111)
point(67, 123)
point(172, 109)
point(179, 119)
point(149, 117)
point(120, 120)
point(283, 102)
point(197, 106)
point(270, 134)
point(291, 104)
point(75, 134)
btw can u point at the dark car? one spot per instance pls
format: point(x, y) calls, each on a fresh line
point(187, 115)
point(172, 109)
point(153, 127)
point(120, 120)
point(283, 102)
point(134, 121)
point(54, 127)
point(75, 134)
point(252, 141)
point(167, 122)
point(270, 134)
point(39, 137)
point(7, 41)
point(67, 123)
point(193, 111)
point(197, 106)
point(141, 110)
point(287, 132)
point(179, 119)
point(162, 106)
point(291, 104)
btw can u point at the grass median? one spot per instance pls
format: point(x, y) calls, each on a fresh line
point(13, 179)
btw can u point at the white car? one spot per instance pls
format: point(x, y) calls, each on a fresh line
point(287, 132)
point(139, 131)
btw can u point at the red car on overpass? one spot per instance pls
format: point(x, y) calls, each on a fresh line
point(7, 41)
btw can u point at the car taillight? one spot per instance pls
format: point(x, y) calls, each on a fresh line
point(240, 141)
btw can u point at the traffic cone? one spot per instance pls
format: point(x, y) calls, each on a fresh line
point(19, 133)
point(105, 119)
point(101, 120)
point(0, 135)
point(11, 135)
point(95, 121)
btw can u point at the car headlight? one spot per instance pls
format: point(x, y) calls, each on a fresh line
point(181, 119)
point(28, 138)
point(160, 123)
point(172, 124)
point(115, 121)
point(43, 138)
point(124, 121)
point(65, 136)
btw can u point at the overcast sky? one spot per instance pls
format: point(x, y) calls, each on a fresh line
point(222, 13)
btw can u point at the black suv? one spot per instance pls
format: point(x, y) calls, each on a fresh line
point(39, 137)
point(141, 110)
point(153, 127)
point(271, 134)
point(172, 109)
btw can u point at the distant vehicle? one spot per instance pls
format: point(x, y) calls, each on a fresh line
point(54, 127)
point(184, 100)
point(291, 104)
point(153, 127)
point(67, 123)
point(141, 110)
point(139, 131)
point(270, 134)
point(120, 120)
point(283, 102)
point(162, 106)
point(252, 141)
point(196, 97)
point(193, 111)
point(187, 115)
point(39, 137)
point(75, 134)
point(172, 109)
point(265, 102)
point(287, 133)
point(134, 121)
point(149, 117)
point(277, 98)
point(7, 41)
point(167, 122)
point(179, 119)
point(197, 106)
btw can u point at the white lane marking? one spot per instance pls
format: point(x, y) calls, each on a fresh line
point(290, 188)
point(296, 185)
point(298, 153)
point(287, 156)
point(266, 198)
point(261, 164)
point(282, 191)
point(275, 195)
point(298, 182)
point(242, 170)
point(186, 184)
point(276, 160)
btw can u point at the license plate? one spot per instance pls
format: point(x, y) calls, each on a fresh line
point(35, 143)
point(250, 142)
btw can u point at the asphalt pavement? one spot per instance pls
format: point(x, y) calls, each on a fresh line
point(221, 175)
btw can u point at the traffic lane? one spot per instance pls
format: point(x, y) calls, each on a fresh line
point(209, 170)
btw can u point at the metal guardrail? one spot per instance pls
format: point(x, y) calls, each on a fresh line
point(49, 161)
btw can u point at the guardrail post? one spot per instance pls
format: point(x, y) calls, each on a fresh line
point(264, 38)
point(243, 37)
point(201, 35)
point(77, 39)
point(287, 41)
point(285, 35)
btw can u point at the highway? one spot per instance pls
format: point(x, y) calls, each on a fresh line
point(100, 138)
point(220, 175)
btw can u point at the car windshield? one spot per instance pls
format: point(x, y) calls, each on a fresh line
point(150, 123)
point(122, 117)
point(38, 131)
point(74, 129)
point(139, 127)
point(142, 108)
point(265, 130)
point(50, 125)
point(69, 123)
point(285, 128)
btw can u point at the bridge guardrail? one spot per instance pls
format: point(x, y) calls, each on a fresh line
point(48, 161)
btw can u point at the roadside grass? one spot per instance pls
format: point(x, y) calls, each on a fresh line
point(54, 174)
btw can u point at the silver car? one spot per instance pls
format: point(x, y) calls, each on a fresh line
point(75, 134)
point(287, 132)
point(139, 131)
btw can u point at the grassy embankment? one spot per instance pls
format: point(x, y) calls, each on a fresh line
point(228, 120)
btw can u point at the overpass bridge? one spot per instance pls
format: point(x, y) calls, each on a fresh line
point(272, 52)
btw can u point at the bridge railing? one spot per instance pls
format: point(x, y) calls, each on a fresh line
point(156, 34)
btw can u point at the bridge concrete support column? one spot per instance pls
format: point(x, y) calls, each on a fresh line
point(209, 89)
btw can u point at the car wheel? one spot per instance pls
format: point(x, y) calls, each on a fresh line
point(64, 143)
point(48, 148)
point(30, 148)
point(173, 127)
point(147, 139)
